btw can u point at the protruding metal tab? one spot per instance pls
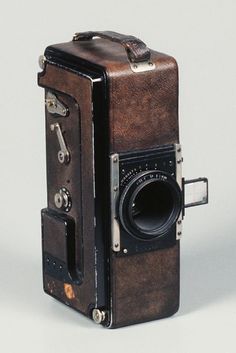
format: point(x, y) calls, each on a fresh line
point(195, 192)
point(63, 154)
point(114, 182)
point(142, 66)
point(54, 106)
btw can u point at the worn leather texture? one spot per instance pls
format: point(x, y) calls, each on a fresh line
point(143, 107)
point(145, 286)
point(142, 114)
point(137, 51)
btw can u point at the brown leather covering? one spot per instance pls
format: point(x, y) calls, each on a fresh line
point(143, 114)
point(145, 286)
point(143, 111)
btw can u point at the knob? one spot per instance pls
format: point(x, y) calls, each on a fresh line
point(98, 316)
point(62, 199)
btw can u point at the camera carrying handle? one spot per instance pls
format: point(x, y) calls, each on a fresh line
point(195, 192)
point(136, 50)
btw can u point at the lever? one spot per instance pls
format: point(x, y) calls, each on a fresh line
point(63, 155)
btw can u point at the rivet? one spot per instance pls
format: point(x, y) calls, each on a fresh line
point(125, 251)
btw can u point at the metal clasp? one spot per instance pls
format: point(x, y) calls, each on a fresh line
point(54, 106)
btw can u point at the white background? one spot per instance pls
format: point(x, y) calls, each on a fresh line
point(201, 35)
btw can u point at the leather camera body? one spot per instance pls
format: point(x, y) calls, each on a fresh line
point(116, 196)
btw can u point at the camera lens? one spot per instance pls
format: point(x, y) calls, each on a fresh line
point(150, 204)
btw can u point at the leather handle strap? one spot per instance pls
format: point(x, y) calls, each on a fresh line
point(136, 50)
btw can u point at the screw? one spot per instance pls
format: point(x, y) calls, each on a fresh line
point(135, 66)
point(116, 245)
point(179, 233)
point(42, 60)
point(179, 222)
point(98, 315)
point(179, 149)
point(58, 200)
point(115, 188)
point(61, 157)
point(115, 160)
point(150, 63)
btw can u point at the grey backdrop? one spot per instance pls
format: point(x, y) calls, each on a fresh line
point(201, 35)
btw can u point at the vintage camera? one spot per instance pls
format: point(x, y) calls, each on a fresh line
point(116, 196)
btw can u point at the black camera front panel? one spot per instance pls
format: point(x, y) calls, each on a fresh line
point(150, 200)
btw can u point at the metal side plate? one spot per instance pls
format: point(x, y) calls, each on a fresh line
point(114, 184)
point(179, 161)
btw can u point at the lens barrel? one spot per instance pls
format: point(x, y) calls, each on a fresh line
point(150, 204)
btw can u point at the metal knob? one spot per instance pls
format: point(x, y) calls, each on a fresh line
point(42, 61)
point(62, 199)
point(98, 315)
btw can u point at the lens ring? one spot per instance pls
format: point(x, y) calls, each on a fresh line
point(158, 194)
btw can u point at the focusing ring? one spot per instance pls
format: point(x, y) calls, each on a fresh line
point(147, 185)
